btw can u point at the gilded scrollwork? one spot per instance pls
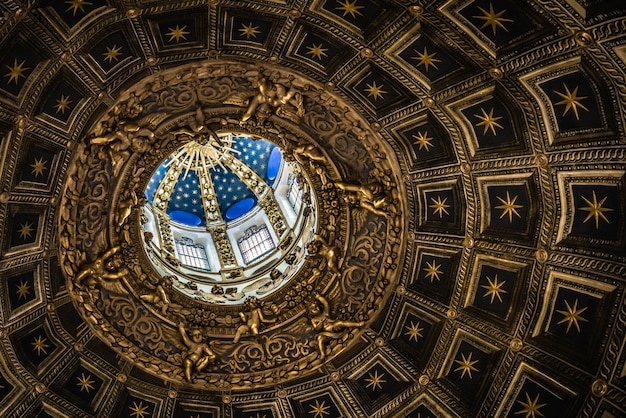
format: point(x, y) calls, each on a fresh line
point(350, 259)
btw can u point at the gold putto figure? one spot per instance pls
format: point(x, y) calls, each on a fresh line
point(252, 318)
point(109, 266)
point(198, 354)
point(319, 246)
point(324, 325)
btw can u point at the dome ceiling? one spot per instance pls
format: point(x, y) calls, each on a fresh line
point(499, 264)
point(229, 188)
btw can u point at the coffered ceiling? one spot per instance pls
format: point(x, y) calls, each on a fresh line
point(505, 122)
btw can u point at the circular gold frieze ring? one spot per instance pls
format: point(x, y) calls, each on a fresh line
point(100, 181)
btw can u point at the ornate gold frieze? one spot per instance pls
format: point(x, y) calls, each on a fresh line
point(352, 251)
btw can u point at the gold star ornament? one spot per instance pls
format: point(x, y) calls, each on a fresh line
point(26, 230)
point(423, 140)
point(316, 51)
point(16, 71)
point(85, 382)
point(426, 59)
point(571, 315)
point(113, 53)
point(178, 33)
point(432, 270)
point(493, 19)
point(439, 206)
point(23, 290)
point(488, 121)
point(375, 380)
point(375, 91)
point(350, 8)
point(249, 30)
point(509, 207)
point(38, 166)
point(39, 345)
point(466, 365)
point(76, 5)
point(139, 410)
point(494, 289)
point(571, 100)
point(595, 209)
point(63, 104)
point(319, 410)
point(530, 408)
point(414, 331)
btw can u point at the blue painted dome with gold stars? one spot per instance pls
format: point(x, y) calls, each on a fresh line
point(189, 179)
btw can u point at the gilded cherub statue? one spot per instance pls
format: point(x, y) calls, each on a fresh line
point(109, 266)
point(252, 318)
point(324, 325)
point(198, 354)
point(274, 95)
point(319, 246)
point(160, 297)
point(125, 208)
point(370, 196)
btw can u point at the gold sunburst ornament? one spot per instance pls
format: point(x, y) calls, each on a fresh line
point(178, 33)
point(76, 5)
point(509, 207)
point(466, 365)
point(493, 19)
point(426, 59)
point(16, 71)
point(375, 91)
point(194, 155)
point(488, 121)
point(530, 408)
point(85, 382)
point(319, 409)
point(572, 315)
point(571, 100)
point(112, 53)
point(316, 51)
point(249, 30)
point(595, 209)
point(350, 8)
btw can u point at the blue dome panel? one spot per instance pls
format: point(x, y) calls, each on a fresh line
point(274, 163)
point(261, 156)
point(254, 153)
point(186, 218)
point(240, 208)
point(156, 178)
point(187, 196)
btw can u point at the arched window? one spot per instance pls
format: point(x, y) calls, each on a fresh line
point(256, 242)
point(191, 254)
point(294, 193)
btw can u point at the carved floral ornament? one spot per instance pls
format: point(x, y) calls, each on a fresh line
point(351, 265)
